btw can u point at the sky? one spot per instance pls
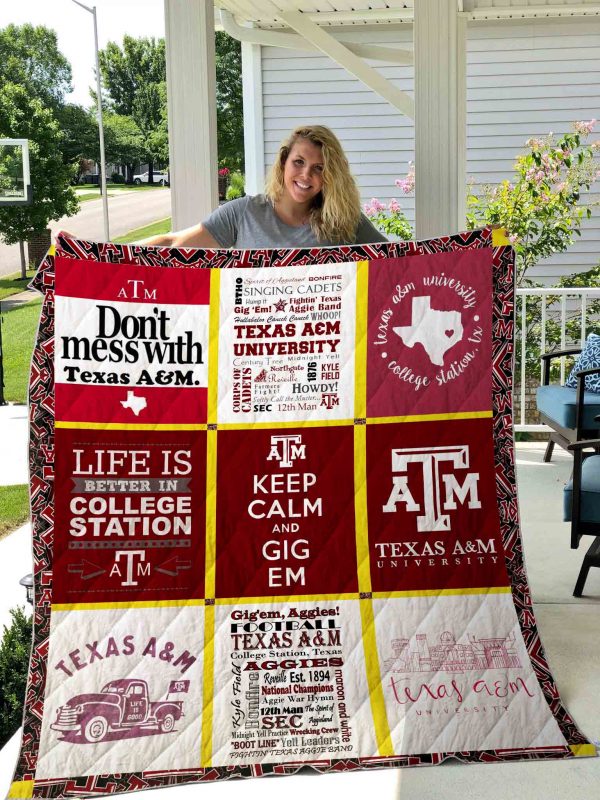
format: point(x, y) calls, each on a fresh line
point(75, 29)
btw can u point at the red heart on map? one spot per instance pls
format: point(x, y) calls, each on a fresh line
point(449, 334)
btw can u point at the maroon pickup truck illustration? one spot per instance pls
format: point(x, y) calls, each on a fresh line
point(120, 707)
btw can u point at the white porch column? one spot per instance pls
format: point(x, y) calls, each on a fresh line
point(191, 91)
point(440, 117)
point(254, 139)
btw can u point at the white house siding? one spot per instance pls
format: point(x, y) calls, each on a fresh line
point(523, 79)
point(304, 87)
point(527, 79)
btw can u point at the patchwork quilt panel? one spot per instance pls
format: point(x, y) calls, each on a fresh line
point(275, 521)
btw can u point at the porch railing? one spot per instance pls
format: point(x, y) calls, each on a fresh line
point(548, 319)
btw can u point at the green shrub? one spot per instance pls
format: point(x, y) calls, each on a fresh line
point(14, 661)
point(543, 206)
point(236, 186)
point(116, 177)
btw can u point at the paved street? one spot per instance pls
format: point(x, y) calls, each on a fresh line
point(127, 211)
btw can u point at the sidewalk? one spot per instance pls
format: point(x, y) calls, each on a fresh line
point(14, 466)
point(15, 549)
point(19, 299)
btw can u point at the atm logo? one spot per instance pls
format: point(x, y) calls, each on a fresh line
point(286, 450)
point(446, 482)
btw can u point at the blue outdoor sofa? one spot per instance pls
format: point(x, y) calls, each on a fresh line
point(570, 413)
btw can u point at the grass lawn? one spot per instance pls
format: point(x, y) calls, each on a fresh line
point(83, 196)
point(156, 228)
point(14, 507)
point(19, 324)
point(19, 327)
point(13, 284)
point(91, 192)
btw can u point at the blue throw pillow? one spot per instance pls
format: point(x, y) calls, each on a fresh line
point(588, 359)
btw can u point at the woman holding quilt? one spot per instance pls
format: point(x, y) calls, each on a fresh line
point(310, 200)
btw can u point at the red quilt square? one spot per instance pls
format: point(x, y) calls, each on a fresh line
point(131, 345)
point(285, 512)
point(130, 515)
point(433, 515)
point(430, 334)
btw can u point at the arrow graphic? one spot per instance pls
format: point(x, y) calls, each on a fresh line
point(83, 568)
point(175, 566)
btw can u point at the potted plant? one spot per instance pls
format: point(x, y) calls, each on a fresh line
point(223, 182)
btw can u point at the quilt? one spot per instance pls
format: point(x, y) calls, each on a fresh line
point(275, 521)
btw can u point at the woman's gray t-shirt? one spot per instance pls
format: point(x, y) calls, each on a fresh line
point(251, 222)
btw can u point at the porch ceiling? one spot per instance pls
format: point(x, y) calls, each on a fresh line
point(265, 13)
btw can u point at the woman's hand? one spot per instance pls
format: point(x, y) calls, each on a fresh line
point(66, 235)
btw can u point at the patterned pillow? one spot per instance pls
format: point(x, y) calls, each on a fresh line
point(588, 359)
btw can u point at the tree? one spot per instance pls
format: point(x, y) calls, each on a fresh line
point(159, 138)
point(133, 76)
point(14, 659)
point(24, 117)
point(230, 108)
point(148, 115)
point(124, 142)
point(126, 70)
point(30, 58)
point(79, 136)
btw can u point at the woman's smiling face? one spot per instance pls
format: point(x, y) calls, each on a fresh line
point(303, 172)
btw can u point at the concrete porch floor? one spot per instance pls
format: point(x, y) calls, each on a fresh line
point(570, 632)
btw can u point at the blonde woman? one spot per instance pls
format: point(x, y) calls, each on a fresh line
point(310, 199)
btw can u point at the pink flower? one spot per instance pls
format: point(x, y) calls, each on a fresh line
point(513, 238)
point(374, 207)
point(394, 205)
point(534, 175)
point(585, 127)
point(407, 184)
point(223, 172)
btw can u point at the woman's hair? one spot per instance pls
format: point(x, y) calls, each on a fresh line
point(335, 211)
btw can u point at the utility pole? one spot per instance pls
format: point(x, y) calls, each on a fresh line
point(92, 11)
